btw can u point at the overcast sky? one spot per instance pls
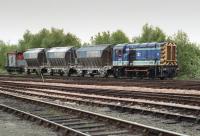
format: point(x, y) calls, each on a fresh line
point(87, 17)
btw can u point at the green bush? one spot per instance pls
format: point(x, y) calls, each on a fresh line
point(188, 56)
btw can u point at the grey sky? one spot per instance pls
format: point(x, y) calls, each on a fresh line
point(87, 17)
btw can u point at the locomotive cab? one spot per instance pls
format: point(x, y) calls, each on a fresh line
point(15, 62)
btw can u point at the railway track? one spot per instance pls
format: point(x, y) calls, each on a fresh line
point(165, 110)
point(126, 105)
point(169, 84)
point(178, 107)
point(191, 99)
point(72, 121)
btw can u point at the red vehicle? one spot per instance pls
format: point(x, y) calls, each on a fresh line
point(15, 62)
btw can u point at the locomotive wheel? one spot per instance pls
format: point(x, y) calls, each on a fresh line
point(116, 73)
point(36, 72)
point(162, 78)
point(41, 73)
point(51, 73)
point(69, 74)
point(28, 72)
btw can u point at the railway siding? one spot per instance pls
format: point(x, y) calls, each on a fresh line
point(111, 104)
point(173, 108)
point(130, 127)
point(183, 85)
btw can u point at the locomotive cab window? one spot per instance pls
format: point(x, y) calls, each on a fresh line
point(118, 53)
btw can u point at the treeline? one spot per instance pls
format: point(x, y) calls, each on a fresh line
point(188, 53)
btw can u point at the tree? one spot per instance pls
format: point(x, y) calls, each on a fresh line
point(53, 39)
point(150, 34)
point(106, 37)
point(47, 39)
point(119, 37)
point(24, 44)
point(101, 38)
point(71, 40)
point(188, 55)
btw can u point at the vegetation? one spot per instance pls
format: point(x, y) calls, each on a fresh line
point(188, 56)
point(47, 39)
point(150, 34)
point(110, 38)
point(188, 53)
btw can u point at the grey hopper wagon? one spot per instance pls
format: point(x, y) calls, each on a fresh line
point(36, 60)
point(61, 60)
point(94, 60)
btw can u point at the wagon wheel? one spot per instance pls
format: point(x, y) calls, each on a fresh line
point(91, 75)
point(28, 72)
point(69, 74)
point(19, 72)
point(105, 74)
point(36, 72)
point(61, 73)
point(51, 73)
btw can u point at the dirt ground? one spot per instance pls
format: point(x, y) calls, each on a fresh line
point(11, 125)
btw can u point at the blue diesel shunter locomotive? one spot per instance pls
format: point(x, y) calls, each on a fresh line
point(145, 60)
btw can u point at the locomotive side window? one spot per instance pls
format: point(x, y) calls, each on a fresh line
point(118, 53)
